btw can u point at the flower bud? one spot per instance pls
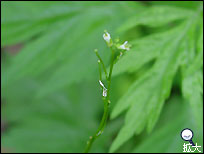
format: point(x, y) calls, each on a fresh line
point(107, 38)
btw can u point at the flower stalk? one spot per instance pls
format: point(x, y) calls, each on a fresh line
point(106, 91)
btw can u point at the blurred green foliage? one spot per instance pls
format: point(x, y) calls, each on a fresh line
point(50, 93)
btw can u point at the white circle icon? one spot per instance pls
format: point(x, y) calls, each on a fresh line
point(187, 134)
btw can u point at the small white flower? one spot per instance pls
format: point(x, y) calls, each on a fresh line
point(107, 38)
point(124, 46)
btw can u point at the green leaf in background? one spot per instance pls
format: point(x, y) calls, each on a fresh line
point(192, 78)
point(53, 124)
point(65, 46)
point(144, 50)
point(145, 98)
point(156, 16)
point(50, 93)
point(31, 19)
point(166, 136)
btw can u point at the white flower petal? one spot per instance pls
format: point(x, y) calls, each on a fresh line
point(107, 37)
point(126, 42)
point(124, 46)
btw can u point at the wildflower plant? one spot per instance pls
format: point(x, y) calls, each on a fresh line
point(115, 55)
point(48, 92)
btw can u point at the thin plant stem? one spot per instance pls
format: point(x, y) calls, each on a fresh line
point(99, 68)
point(111, 70)
point(104, 68)
point(106, 104)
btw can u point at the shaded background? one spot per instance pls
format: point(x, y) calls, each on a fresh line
point(51, 100)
